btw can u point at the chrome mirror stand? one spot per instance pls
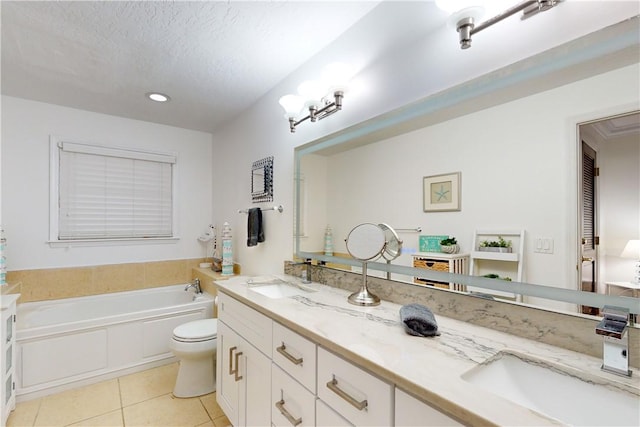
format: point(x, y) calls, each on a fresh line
point(363, 297)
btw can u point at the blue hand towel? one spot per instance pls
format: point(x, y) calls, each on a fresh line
point(419, 320)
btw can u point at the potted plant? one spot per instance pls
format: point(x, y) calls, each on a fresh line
point(449, 245)
point(499, 245)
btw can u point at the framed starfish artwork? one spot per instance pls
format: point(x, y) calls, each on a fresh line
point(441, 192)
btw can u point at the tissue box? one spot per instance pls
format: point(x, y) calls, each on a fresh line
point(431, 243)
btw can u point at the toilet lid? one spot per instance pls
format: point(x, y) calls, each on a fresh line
point(198, 330)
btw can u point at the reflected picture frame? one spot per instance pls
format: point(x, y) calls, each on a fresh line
point(441, 193)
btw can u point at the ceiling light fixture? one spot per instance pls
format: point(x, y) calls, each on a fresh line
point(158, 97)
point(466, 13)
point(321, 98)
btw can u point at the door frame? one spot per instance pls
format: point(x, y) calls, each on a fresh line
point(595, 117)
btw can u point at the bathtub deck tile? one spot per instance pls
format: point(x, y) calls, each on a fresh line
point(148, 384)
point(79, 404)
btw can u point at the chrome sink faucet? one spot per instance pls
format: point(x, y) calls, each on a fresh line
point(195, 285)
point(615, 351)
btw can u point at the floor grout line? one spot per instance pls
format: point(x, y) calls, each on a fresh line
point(36, 411)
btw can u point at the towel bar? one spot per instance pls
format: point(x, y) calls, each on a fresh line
point(278, 208)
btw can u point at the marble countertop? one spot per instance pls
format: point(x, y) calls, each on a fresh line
point(430, 368)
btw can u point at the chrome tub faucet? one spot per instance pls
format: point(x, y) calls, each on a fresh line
point(195, 285)
point(615, 351)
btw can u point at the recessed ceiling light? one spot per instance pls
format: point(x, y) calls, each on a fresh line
point(158, 97)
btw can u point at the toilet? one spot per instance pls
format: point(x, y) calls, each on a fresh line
point(194, 343)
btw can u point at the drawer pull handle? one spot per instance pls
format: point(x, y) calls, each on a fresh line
point(237, 371)
point(333, 386)
point(294, 421)
point(283, 351)
point(231, 370)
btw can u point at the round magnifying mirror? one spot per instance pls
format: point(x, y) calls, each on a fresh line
point(393, 246)
point(366, 241)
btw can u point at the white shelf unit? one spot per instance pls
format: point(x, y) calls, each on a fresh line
point(8, 386)
point(447, 263)
point(502, 263)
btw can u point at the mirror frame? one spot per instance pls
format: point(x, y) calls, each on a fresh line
point(604, 50)
point(262, 191)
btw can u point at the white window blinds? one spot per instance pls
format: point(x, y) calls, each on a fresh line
point(107, 193)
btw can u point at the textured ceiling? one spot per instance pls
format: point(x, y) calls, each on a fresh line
point(213, 58)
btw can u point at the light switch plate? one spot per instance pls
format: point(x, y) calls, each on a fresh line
point(543, 245)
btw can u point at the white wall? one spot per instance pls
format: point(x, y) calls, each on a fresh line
point(26, 126)
point(386, 79)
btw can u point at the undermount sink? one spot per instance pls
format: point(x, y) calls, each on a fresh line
point(277, 288)
point(555, 391)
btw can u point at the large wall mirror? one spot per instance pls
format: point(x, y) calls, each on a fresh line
point(516, 142)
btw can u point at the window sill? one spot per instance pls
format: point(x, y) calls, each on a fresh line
point(112, 242)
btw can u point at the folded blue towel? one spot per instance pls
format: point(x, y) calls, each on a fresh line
point(419, 320)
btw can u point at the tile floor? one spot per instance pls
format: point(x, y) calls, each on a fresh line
point(140, 399)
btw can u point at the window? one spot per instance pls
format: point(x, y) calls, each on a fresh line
point(104, 193)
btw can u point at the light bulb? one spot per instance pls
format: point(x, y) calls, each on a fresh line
point(452, 6)
point(292, 105)
point(312, 91)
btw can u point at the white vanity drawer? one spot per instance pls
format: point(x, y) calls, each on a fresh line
point(413, 412)
point(292, 404)
point(327, 417)
point(296, 355)
point(358, 396)
point(247, 322)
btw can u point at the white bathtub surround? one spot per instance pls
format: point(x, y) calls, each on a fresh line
point(429, 368)
point(65, 343)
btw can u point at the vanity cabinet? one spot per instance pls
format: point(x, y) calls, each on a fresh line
point(447, 263)
point(355, 394)
point(269, 375)
point(410, 411)
point(8, 394)
point(243, 367)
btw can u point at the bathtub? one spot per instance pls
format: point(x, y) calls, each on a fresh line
point(62, 344)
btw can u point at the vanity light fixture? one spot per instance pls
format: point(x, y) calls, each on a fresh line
point(158, 97)
point(321, 98)
point(465, 13)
